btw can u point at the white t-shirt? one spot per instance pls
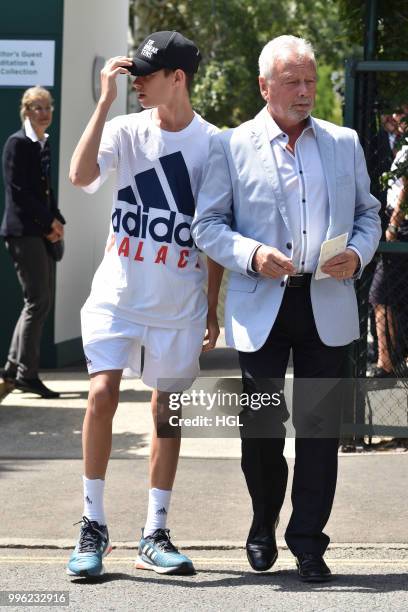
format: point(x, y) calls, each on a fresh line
point(151, 272)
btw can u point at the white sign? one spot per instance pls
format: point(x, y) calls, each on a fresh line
point(27, 62)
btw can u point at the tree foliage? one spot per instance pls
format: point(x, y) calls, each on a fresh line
point(390, 35)
point(392, 26)
point(231, 35)
point(391, 88)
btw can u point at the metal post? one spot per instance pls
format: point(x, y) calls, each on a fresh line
point(370, 42)
point(349, 93)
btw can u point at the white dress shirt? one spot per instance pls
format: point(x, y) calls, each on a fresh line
point(30, 133)
point(305, 189)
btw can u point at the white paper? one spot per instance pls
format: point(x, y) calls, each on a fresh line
point(330, 248)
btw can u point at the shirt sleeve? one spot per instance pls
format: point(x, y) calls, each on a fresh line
point(357, 273)
point(108, 155)
point(250, 268)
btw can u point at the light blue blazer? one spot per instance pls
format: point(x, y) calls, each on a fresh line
point(241, 205)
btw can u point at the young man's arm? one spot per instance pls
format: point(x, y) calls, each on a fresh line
point(215, 273)
point(84, 167)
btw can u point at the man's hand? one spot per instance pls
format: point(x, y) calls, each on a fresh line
point(390, 235)
point(270, 262)
point(113, 67)
point(57, 231)
point(342, 266)
point(213, 331)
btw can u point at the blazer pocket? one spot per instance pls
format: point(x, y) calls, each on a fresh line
point(239, 282)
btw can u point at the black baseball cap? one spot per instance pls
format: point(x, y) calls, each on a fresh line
point(165, 50)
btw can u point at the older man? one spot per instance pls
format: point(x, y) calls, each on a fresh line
point(275, 189)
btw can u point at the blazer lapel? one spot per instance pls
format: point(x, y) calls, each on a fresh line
point(325, 143)
point(264, 150)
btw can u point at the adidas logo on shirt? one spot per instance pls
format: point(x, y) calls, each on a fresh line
point(139, 219)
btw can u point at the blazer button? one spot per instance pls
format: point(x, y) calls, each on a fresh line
point(282, 284)
point(288, 245)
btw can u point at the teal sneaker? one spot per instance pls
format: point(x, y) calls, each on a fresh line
point(92, 546)
point(157, 553)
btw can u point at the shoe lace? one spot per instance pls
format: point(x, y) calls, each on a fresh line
point(161, 538)
point(89, 536)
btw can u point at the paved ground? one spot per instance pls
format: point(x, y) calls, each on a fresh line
point(366, 580)
point(209, 504)
point(40, 475)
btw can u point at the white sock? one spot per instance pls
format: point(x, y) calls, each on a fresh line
point(157, 510)
point(93, 499)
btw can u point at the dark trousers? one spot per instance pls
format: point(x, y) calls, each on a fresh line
point(263, 463)
point(36, 274)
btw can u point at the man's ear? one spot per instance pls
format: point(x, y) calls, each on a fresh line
point(263, 87)
point(179, 77)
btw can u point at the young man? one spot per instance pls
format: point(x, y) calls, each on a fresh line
point(149, 289)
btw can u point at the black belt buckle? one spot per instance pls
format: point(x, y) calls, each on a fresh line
point(298, 280)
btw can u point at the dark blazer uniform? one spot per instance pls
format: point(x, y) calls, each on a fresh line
point(30, 209)
point(30, 205)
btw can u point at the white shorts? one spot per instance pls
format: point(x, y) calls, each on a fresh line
point(171, 356)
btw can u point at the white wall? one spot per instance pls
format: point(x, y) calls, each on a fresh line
point(91, 28)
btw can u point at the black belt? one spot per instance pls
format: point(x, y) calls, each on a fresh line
point(299, 280)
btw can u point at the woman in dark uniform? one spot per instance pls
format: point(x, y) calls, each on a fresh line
point(31, 221)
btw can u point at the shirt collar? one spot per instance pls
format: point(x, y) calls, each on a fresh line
point(274, 131)
point(30, 133)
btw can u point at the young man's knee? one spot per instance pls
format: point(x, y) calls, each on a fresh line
point(103, 398)
point(163, 411)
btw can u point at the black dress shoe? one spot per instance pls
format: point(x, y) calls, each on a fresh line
point(378, 372)
point(312, 568)
point(6, 383)
point(35, 385)
point(261, 548)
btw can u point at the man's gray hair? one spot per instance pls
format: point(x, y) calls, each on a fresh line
point(280, 47)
